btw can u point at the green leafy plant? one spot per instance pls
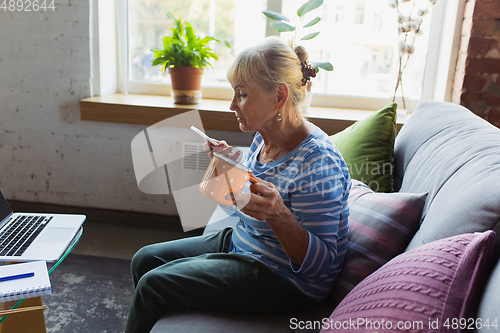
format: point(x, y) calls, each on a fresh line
point(281, 23)
point(184, 49)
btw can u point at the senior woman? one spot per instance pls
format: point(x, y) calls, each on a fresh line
point(288, 247)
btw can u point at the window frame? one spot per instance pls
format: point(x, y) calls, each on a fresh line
point(109, 57)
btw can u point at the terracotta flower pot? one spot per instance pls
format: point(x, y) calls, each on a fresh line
point(186, 84)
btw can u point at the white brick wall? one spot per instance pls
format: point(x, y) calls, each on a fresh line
point(47, 154)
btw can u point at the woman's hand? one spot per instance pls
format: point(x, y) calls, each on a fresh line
point(222, 148)
point(265, 204)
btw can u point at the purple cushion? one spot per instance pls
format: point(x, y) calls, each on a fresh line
point(438, 281)
point(381, 225)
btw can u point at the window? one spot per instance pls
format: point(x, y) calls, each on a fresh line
point(358, 37)
point(339, 13)
point(227, 20)
point(360, 12)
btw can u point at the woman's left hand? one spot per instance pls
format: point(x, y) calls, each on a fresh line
point(263, 203)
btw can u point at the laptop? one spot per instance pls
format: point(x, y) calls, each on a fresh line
point(29, 236)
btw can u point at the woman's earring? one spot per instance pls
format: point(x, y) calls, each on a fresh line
point(279, 116)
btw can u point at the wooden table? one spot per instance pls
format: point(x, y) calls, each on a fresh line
point(29, 319)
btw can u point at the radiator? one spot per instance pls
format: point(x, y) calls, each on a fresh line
point(168, 158)
point(193, 207)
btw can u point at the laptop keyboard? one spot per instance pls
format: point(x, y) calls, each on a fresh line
point(21, 233)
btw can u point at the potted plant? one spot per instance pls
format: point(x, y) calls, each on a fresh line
point(281, 23)
point(185, 55)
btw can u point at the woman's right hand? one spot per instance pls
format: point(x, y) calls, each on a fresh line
point(222, 148)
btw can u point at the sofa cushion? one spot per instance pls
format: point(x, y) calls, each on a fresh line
point(381, 226)
point(217, 322)
point(367, 146)
point(434, 283)
point(446, 150)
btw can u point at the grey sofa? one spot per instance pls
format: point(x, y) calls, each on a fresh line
point(443, 149)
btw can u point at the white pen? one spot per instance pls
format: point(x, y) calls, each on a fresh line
point(206, 137)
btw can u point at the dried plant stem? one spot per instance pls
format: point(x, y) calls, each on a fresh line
point(399, 81)
point(401, 69)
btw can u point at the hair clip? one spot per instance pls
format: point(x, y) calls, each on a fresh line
point(307, 72)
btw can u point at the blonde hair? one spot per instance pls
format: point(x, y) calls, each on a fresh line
point(268, 65)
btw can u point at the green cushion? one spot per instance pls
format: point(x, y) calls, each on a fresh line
point(368, 148)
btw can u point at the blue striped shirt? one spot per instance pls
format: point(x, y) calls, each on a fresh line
point(314, 183)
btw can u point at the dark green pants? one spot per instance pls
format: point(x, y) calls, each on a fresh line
point(198, 273)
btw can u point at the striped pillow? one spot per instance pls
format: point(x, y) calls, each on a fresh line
point(381, 225)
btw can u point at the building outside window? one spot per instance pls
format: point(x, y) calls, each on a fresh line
point(360, 12)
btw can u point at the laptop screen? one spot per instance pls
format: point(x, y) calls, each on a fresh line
point(5, 209)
